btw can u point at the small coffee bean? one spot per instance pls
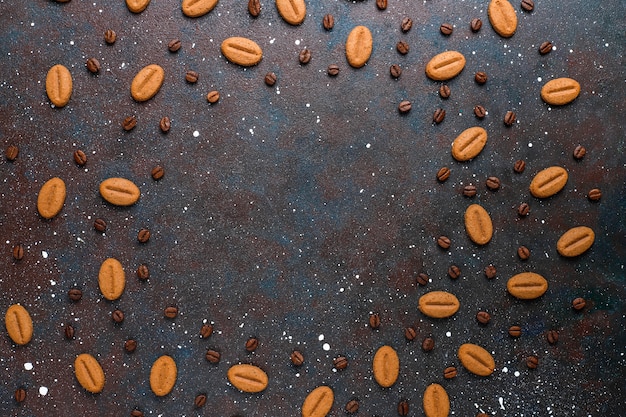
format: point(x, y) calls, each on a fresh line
point(579, 152)
point(129, 123)
point(328, 21)
point(254, 8)
point(469, 190)
point(352, 406)
point(130, 345)
point(479, 111)
point(552, 336)
point(402, 47)
point(410, 333)
point(446, 29)
point(20, 395)
point(333, 70)
point(191, 77)
point(213, 356)
point(490, 272)
point(443, 242)
point(374, 320)
point(594, 194)
point(493, 183)
point(428, 344)
point(439, 115)
point(403, 408)
point(200, 399)
point(528, 5)
point(395, 71)
point(523, 252)
point(117, 316)
point(483, 317)
point(340, 362)
point(480, 77)
point(519, 166)
point(404, 106)
point(579, 303)
point(381, 4)
point(206, 331)
point(213, 96)
point(110, 37)
point(523, 210)
point(509, 118)
point(136, 413)
point(476, 24)
point(251, 344)
point(165, 124)
point(75, 294)
point(143, 236)
point(18, 252)
point(454, 272)
point(143, 272)
point(93, 65)
point(444, 91)
point(170, 312)
point(11, 152)
point(100, 225)
point(515, 331)
point(157, 172)
point(270, 79)
point(443, 174)
point(545, 47)
point(406, 24)
point(305, 56)
point(80, 158)
point(449, 372)
point(422, 278)
point(69, 332)
point(532, 362)
point(482, 415)
point(297, 358)
point(174, 45)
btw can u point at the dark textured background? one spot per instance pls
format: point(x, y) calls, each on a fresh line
point(300, 209)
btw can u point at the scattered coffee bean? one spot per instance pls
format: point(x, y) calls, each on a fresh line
point(528, 5)
point(75, 294)
point(490, 272)
point(206, 330)
point(579, 152)
point(515, 331)
point(270, 79)
point(509, 118)
point(594, 194)
point(482, 415)
point(404, 106)
point(545, 47)
point(174, 45)
point(352, 406)
point(20, 395)
point(69, 332)
point(80, 158)
point(200, 399)
point(170, 312)
point(519, 166)
point(165, 124)
point(422, 279)
point(136, 413)
point(480, 77)
point(402, 47)
point(552, 336)
point(251, 344)
point(143, 272)
point(130, 345)
point(406, 24)
point(428, 344)
point(143, 236)
point(579, 303)
point(381, 4)
point(213, 96)
point(117, 316)
point(297, 358)
point(449, 372)
point(157, 172)
point(469, 190)
point(523, 252)
point(476, 24)
point(110, 37)
point(340, 362)
point(443, 174)
point(374, 320)
point(493, 183)
point(11, 152)
point(454, 271)
point(305, 56)
point(18, 252)
point(483, 317)
point(479, 111)
point(444, 91)
point(532, 362)
point(93, 65)
point(129, 123)
point(395, 71)
point(443, 242)
point(403, 408)
point(410, 333)
point(446, 29)
point(328, 21)
point(333, 70)
point(523, 210)
point(439, 115)
point(213, 356)
point(254, 8)
point(191, 77)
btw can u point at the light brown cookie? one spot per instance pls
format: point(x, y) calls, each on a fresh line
point(560, 91)
point(445, 65)
point(502, 17)
point(436, 401)
point(386, 366)
point(19, 325)
point(89, 373)
point(59, 85)
point(163, 375)
point(292, 11)
point(575, 241)
point(438, 304)
point(319, 402)
point(51, 198)
point(478, 224)
point(476, 359)
point(248, 378)
point(147, 82)
point(137, 6)
point(242, 51)
point(119, 191)
point(111, 279)
point(548, 182)
point(197, 8)
point(527, 285)
point(469, 143)
point(359, 46)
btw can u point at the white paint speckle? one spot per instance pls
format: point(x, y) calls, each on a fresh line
point(326, 347)
point(448, 334)
point(43, 390)
point(501, 401)
point(196, 134)
point(44, 254)
point(28, 366)
point(320, 337)
point(530, 144)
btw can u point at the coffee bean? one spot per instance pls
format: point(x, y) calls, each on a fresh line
point(446, 29)
point(110, 37)
point(254, 8)
point(403, 408)
point(11, 152)
point(297, 358)
point(519, 166)
point(523, 210)
point(170, 312)
point(75, 294)
point(328, 21)
point(200, 399)
point(594, 194)
point(80, 158)
point(20, 395)
point(428, 344)
point(165, 124)
point(545, 47)
point(93, 65)
point(213, 356)
point(374, 320)
point(454, 271)
point(480, 77)
point(136, 413)
point(333, 70)
point(444, 91)
point(490, 272)
point(130, 345)
point(552, 336)
point(449, 372)
point(270, 79)
point(206, 330)
point(479, 111)
point(528, 5)
point(352, 406)
point(191, 77)
point(381, 4)
point(174, 45)
point(532, 362)
point(483, 317)
point(515, 331)
point(493, 183)
point(443, 242)
point(482, 415)
point(509, 118)
point(117, 316)
point(69, 332)
point(251, 344)
point(439, 115)
point(579, 303)
point(143, 272)
point(18, 252)
point(129, 123)
point(143, 236)
point(157, 172)
point(406, 24)
point(469, 190)
point(579, 152)
point(523, 252)
point(410, 333)
point(404, 106)
point(100, 225)
point(402, 47)
point(476, 24)
point(305, 56)
point(443, 174)
point(340, 362)
point(213, 96)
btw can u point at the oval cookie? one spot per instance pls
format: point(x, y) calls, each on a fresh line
point(89, 373)
point(575, 241)
point(548, 182)
point(137, 6)
point(119, 191)
point(319, 402)
point(292, 11)
point(147, 82)
point(476, 359)
point(502, 17)
point(469, 143)
point(527, 285)
point(163, 375)
point(445, 65)
point(247, 378)
point(386, 366)
point(438, 304)
point(478, 224)
point(436, 401)
point(197, 8)
point(359, 46)
point(19, 325)
point(111, 279)
point(59, 85)
point(560, 91)
point(242, 51)
point(51, 198)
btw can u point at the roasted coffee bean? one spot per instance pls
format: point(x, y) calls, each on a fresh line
point(110, 37)
point(483, 317)
point(18, 252)
point(446, 29)
point(406, 24)
point(439, 115)
point(191, 77)
point(328, 21)
point(422, 279)
point(443, 174)
point(100, 225)
point(545, 47)
point(480, 77)
point(352, 406)
point(305, 56)
point(493, 183)
point(523, 252)
point(523, 210)
point(515, 331)
point(340, 362)
point(594, 194)
point(528, 5)
point(454, 271)
point(170, 312)
point(143, 236)
point(395, 71)
point(509, 118)
point(444, 91)
point(270, 79)
point(469, 190)
point(20, 395)
point(11, 152)
point(410, 333)
point(428, 344)
point(254, 8)
point(80, 158)
point(404, 106)
point(93, 65)
point(165, 124)
point(206, 330)
point(333, 70)
point(579, 303)
point(117, 316)
point(403, 408)
point(143, 272)
point(200, 399)
point(381, 4)
point(476, 24)
point(482, 415)
point(552, 336)
point(297, 358)
point(402, 47)
point(69, 332)
point(579, 152)
point(519, 166)
point(213, 96)
point(75, 294)
point(157, 172)
point(136, 413)
point(532, 362)
point(490, 272)
point(174, 45)
point(449, 372)
point(443, 242)
point(374, 320)
point(129, 123)
point(213, 356)
point(251, 344)
point(130, 345)
point(479, 111)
